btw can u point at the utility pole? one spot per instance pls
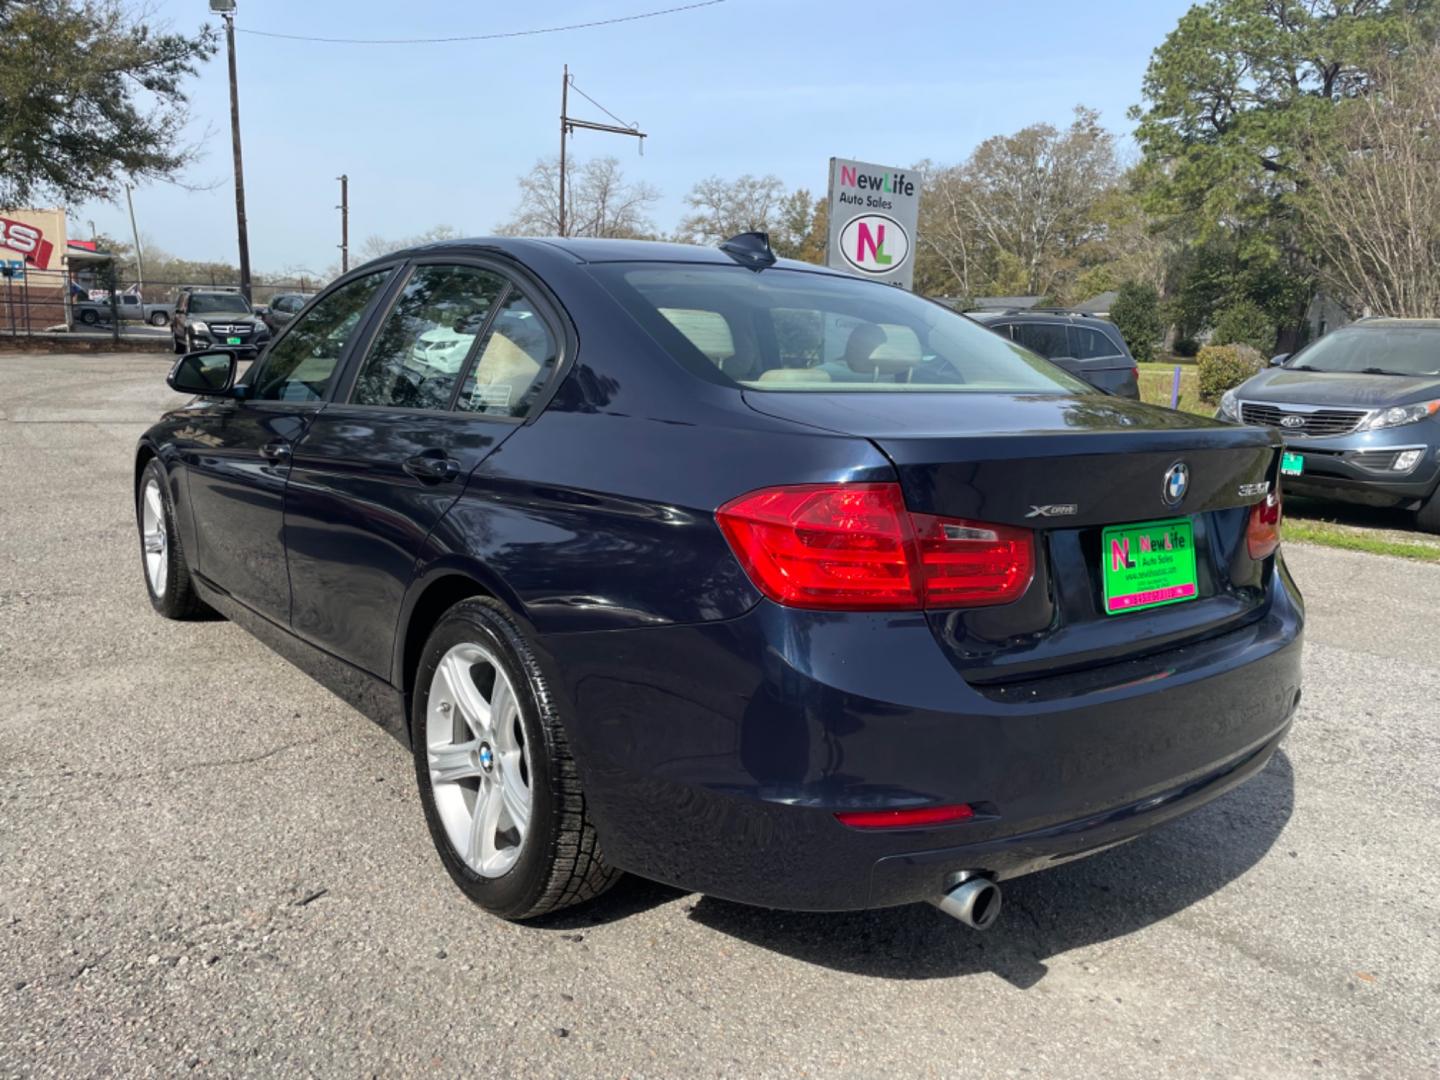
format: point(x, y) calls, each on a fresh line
point(344, 209)
point(226, 10)
point(564, 107)
point(139, 255)
point(568, 126)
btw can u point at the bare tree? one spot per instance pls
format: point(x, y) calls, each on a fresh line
point(722, 208)
point(1032, 195)
point(599, 201)
point(1371, 199)
point(374, 246)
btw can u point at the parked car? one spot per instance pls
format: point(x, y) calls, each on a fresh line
point(128, 306)
point(1083, 345)
point(205, 317)
point(645, 587)
point(1359, 410)
point(282, 308)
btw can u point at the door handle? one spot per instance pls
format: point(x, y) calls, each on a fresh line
point(431, 468)
point(277, 452)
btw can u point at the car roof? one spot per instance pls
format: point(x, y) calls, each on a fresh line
point(595, 250)
point(1388, 322)
point(1051, 315)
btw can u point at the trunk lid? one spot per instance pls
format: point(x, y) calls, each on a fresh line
point(1067, 467)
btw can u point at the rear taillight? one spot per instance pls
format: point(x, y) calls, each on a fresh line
point(855, 546)
point(1262, 531)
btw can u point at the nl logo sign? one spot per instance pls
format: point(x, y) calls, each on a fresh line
point(873, 211)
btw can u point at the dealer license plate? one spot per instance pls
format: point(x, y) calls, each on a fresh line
point(1291, 464)
point(232, 341)
point(1145, 566)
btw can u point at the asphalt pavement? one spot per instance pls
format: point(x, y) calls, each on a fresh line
point(209, 864)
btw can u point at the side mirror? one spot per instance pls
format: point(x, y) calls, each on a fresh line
point(1279, 358)
point(208, 373)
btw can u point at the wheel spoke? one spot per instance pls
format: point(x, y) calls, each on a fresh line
point(474, 709)
point(153, 504)
point(483, 825)
point(503, 713)
point(455, 761)
point(514, 792)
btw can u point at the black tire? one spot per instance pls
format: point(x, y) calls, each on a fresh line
point(89, 318)
point(158, 319)
point(560, 862)
point(178, 599)
point(1428, 516)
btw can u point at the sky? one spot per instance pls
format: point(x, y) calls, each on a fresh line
point(433, 134)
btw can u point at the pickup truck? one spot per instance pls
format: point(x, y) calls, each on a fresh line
point(129, 307)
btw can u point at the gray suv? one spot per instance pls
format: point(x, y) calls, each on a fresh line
point(1359, 411)
point(1084, 345)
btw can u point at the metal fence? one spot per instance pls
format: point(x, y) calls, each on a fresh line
point(37, 303)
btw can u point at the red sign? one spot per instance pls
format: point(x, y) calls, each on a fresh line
point(29, 241)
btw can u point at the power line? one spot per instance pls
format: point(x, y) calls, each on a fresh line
point(485, 37)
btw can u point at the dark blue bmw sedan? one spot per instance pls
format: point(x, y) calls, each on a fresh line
point(735, 573)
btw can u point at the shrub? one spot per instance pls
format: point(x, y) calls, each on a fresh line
point(1186, 347)
point(1224, 367)
point(1244, 323)
point(1136, 312)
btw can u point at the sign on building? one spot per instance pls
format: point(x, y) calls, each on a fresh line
point(873, 214)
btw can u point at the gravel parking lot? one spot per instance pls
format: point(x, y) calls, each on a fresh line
point(209, 863)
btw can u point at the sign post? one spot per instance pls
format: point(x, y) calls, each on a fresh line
point(874, 210)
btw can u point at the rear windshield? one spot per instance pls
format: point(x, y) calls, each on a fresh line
point(793, 331)
point(1402, 350)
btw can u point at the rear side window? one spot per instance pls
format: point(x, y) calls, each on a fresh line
point(1047, 339)
point(516, 357)
point(416, 359)
point(1090, 344)
point(800, 331)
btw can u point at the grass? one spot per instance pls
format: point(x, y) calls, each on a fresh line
point(1349, 538)
point(1155, 384)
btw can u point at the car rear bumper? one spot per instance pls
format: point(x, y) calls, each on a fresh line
point(715, 757)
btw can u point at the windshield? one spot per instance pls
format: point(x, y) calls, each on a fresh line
point(794, 331)
point(1403, 350)
point(213, 303)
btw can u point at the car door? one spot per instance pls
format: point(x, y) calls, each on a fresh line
point(241, 461)
point(451, 370)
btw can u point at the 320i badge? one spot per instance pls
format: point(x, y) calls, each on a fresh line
point(733, 572)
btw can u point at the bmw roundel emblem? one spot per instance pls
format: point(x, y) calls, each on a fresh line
point(1177, 482)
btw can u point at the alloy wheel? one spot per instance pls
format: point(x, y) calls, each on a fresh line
point(153, 538)
point(478, 758)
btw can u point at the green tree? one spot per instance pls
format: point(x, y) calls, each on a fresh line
point(89, 94)
point(1244, 323)
point(1237, 96)
point(1136, 312)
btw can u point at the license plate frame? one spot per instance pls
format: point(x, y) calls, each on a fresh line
point(1148, 564)
point(1292, 463)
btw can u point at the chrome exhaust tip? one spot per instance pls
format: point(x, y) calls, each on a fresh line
point(975, 902)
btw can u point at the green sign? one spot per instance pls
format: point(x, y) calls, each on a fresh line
point(1145, 566)
point(1291, 463)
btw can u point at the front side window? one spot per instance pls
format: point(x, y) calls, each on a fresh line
point(420, 351)
point(300, 365)
point(792, 330)
point(514, 360)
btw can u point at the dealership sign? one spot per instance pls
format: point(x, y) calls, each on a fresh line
point(28, 240)
point(873, 212)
